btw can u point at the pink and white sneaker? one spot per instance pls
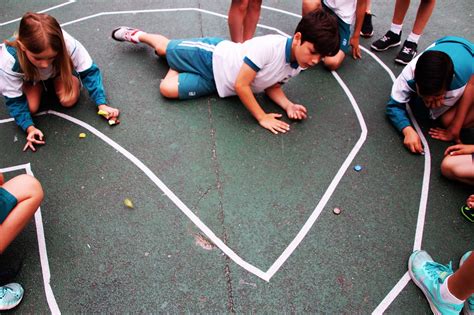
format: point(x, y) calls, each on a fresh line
point(125, 34)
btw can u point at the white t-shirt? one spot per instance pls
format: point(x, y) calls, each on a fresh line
point(269, 56)
point(344, 9)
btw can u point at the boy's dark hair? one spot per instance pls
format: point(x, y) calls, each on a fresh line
point(320, 28)
point(433, 73)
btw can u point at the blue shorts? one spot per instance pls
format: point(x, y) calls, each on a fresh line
point(7, 203)
point(344, 31)
point(192, 58)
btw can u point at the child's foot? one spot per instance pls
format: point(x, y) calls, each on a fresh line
point(469, 304)
point(126, 34)
point(407, 53)
point(367, 29)
point(10, 296)
point(429, 276)
point(390, 39)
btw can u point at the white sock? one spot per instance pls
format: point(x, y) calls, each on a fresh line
point(414, 38)
point(446, 295)
point(137, 35)
point(396, 28)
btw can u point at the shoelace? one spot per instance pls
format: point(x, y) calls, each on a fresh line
point(470, 303)
point(435, 270)
point(4, 290)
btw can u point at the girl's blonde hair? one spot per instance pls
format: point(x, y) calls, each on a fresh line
point(38, 32)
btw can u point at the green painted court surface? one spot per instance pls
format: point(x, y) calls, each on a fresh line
point(204, 170)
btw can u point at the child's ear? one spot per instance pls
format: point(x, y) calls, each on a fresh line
point(20, 45)
point(297, 38)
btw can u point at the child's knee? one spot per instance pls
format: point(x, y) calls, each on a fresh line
point(69, 101)
point(334, 62)
point(448, 168)
point(32, 186)
point(169, 89)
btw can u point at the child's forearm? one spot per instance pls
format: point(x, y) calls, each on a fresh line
point(250, 102)
point(276, 94)
point(360, 13)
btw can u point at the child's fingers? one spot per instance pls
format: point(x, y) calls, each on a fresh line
point(29, 145)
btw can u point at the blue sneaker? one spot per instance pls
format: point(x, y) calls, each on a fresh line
point(428, 276)
point(469, 304)
point(10, 296)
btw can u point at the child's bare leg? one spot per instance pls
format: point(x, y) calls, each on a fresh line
point(33, 96)
point(401, 8)
point(65, 99)
point(459, 167)
point(236, 16)
point(169, 85)
point(27, 190)
point(461, 283)
point(333, 63)
point(251, 19)
point(447, 118)
point(156, 41)
point(310, 5)
point(423, 15)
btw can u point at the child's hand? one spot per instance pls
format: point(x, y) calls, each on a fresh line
point(460, 149)
point(354, 42)
point(270, 122)
point(412, 141)
point(470, 201)
point(296, 111)
point(34, 136)
point(444, 135)
point(112, 112)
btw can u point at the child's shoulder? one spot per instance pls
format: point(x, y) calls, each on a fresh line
point(9, 58)
point(267, 41)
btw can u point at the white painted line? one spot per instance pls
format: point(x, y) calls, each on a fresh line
point(301, 234)
point(42, 11)
point(425, 184)
point(392, 294)
point(163, 10)
point(330, 190)
point(2, 121)
point(229, 252)
point(53, 305)
point(420, 224)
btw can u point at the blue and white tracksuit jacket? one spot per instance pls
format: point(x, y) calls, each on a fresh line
point(461, 52)
point(12, 78)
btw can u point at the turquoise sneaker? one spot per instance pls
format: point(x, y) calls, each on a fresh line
point(10, 296)
point(469, 304)
point(428, 276)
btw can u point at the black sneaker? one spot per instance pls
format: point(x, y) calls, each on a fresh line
point(367, 29)
point(390, 39)
point(407, 53)
point(468, 213)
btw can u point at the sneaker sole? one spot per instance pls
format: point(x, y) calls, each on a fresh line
point(384, 49)
point(9, 307)
point(404, 62)
point(367, 35)
point(422, 288)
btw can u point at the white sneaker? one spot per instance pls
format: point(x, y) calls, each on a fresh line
point(125, 34)
point(10, 296)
